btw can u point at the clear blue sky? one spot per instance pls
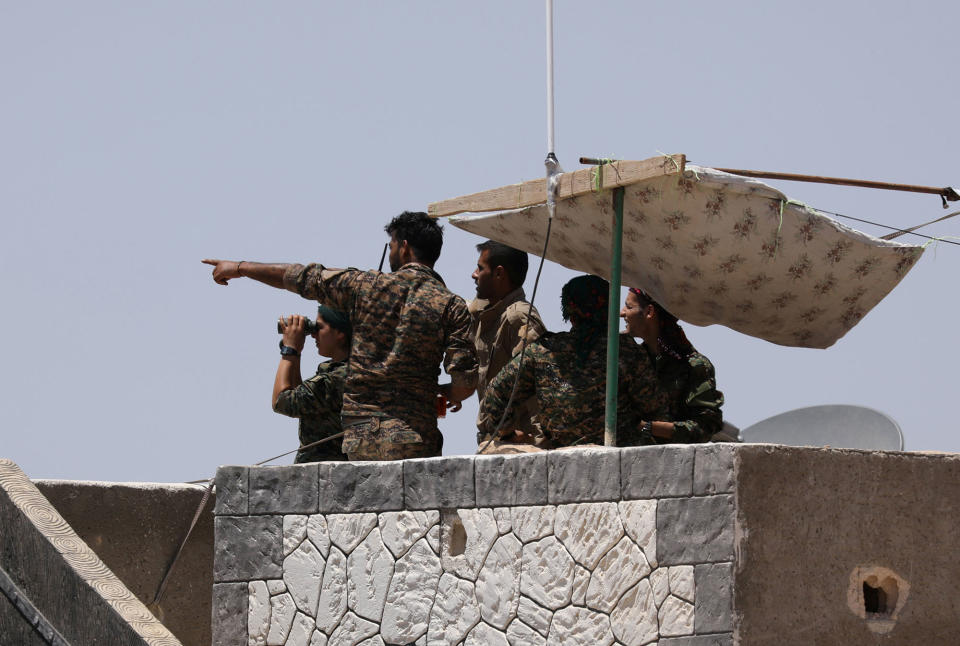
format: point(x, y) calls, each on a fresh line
point(138, 138)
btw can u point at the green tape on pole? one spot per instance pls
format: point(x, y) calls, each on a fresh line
point(613, 322)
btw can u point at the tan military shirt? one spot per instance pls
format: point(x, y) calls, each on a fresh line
point(498, 332)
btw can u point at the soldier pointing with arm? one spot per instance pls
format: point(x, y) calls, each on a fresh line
point(405, 323)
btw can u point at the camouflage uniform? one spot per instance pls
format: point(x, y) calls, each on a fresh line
point(316, 402)
point(571, 391)
point(498, 333)
point(693, 399)
point(404, 324)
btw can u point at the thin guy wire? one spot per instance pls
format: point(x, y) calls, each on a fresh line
point(523, 347)
point(552, 168)
point(886, 226)
point(276, 457)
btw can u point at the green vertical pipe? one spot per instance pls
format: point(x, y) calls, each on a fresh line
point(613, 322)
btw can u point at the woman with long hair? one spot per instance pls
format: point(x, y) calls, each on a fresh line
point(685, 375)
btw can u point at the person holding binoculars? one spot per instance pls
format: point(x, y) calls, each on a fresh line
point(315, 402)
point(406, 325)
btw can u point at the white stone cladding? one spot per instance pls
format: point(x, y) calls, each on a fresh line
point(564, 571)
point(526, 586)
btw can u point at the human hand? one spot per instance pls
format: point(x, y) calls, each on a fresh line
point(453, 405)
point(294, 331)
point(223, 270)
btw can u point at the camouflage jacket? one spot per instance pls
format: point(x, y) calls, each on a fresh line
point(693, 399)
point(498, 332)
point(316, 402)
point(571, 393)
point(404, 324)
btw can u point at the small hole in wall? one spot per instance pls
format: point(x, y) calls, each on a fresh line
point(879, 596)
point(874, 599)
point(458, 537)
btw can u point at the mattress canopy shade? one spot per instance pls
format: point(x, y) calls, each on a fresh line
point(710, 246)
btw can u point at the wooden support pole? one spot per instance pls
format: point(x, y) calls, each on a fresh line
point(580, 182)
point(947, 193)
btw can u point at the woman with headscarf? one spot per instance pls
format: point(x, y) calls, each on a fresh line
point(315, 402)
point(566, 371)
point(685, 375)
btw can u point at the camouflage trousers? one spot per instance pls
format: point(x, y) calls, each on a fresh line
point(387, 438)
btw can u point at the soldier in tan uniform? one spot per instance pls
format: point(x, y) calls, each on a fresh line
point(501, 319)
point(405, 323)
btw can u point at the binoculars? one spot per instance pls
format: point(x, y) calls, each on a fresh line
point(309, 325)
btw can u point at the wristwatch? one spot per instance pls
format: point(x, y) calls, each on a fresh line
point(287, 351)
point(647, 427)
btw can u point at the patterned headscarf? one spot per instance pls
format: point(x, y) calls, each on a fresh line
point(583, 302)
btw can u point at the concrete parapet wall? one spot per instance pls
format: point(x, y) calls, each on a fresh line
point(816, 525)
point(54, 588)
point(135, 529)
point(673, 545)
point(591, 546)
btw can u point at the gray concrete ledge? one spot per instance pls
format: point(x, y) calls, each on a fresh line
point(590, 474)
point(714, 469)
point(511, 480)
point(583, 475)
point(720, 639)
point(439, 483)
point(658, 471)
point(232, 491)
point(290, 489)
point(360, 486)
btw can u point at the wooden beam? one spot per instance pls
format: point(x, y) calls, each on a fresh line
point(580, 182)
point(946, 192)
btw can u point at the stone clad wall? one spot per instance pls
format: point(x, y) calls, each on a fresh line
point(591, 546)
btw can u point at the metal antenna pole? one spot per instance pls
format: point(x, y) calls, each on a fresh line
point(553, 166)
point(551, 150)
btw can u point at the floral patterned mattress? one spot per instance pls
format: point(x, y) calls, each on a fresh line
point(718, 248)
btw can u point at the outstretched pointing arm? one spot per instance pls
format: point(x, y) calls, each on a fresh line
point(269, 274)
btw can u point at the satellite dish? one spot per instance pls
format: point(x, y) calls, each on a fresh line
point(836, 425)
